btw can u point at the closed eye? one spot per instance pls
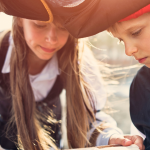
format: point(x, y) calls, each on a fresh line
point(137, 32)
point(40, 26)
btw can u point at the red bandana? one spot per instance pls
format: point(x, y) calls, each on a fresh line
point(145, 9)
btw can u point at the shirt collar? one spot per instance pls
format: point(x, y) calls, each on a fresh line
point(50, 71)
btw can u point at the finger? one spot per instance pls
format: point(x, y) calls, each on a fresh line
point(127, 142)
point(143, 147)
point(122, 141)
point(136, 140)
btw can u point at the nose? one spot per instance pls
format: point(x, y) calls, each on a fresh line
point(130, 49)
point(51, 36)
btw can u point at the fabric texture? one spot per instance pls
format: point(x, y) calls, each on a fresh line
point(140, 102)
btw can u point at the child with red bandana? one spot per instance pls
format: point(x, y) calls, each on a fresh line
point(134, 32)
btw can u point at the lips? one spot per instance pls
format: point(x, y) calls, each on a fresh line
point(47, 49)
point(142, 60)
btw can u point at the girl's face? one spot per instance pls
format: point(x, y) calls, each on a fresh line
point(135, 34)
point(44, 39)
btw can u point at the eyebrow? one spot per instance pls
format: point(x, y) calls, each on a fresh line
point(133, 27)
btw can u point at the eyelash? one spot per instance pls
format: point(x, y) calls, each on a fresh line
point(137, 32)
point(40, 26)
point(133, 34)
point(43, 26)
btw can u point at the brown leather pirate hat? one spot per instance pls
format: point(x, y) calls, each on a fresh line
point(81, 18)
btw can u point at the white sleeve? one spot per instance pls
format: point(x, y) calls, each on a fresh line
point(94, 79)
point(112, 129)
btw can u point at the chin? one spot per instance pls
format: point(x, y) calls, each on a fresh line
point(45, 57)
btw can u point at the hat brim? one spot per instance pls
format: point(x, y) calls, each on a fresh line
point(30, 9)
point(86, 19)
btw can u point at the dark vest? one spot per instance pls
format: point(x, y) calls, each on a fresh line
point(140, 103)
point(52, 101)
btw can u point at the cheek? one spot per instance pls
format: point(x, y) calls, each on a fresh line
point(145, 45)
point(144, 41)
point(32, 37)
point(63, 38)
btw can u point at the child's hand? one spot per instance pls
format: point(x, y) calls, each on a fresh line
point(127, 140)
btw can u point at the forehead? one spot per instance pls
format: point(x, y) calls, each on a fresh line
point(133, 24)
point(57, 21)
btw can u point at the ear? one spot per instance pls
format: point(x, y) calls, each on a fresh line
point(20, 22)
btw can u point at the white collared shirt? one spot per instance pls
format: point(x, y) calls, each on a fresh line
point(41, 83)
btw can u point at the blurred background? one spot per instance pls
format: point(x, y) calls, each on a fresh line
point(121, 72)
